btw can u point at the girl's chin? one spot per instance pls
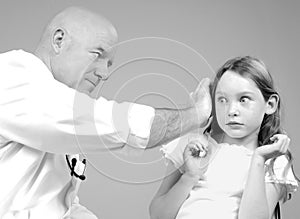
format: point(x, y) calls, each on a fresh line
point(235, 134)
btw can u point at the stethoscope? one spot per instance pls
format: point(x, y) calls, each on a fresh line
point(72, 167)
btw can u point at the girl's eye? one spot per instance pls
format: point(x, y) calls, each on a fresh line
point(222, 100)
point(244, 99)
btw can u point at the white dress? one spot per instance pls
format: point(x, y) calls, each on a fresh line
point(218, 194)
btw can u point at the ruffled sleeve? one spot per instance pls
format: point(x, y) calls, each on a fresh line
point(173, 151)
point(279, 170)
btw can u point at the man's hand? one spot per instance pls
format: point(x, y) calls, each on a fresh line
point(202, 102)
point(169, 124)
point(279, 147)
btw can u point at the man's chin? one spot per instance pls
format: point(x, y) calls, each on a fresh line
point(85, 91)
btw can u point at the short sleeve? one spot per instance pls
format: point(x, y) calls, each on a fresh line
point(140, 118)
point(173, 151)
point(130, 121)
point(279, 171)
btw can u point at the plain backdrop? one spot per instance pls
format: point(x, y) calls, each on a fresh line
point(165, 48)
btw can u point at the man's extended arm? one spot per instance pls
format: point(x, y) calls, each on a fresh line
point(169, 124)
point(42, 113)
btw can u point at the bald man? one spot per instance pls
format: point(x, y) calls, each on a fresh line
point(48, 117)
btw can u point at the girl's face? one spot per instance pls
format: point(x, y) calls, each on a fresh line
point(240, 107)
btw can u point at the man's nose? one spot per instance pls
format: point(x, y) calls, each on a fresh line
point(102, 71)
point(233, 109)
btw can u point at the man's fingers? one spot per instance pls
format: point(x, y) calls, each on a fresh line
point(204, 83)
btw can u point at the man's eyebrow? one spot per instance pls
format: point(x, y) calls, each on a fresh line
point(100, 49)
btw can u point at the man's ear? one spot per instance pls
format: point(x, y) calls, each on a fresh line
point(272, 104)
point(58, 40)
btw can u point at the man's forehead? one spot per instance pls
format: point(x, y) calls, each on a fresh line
point(95, 29)
point(105, 42)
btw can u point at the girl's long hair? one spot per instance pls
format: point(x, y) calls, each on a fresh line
point(257, 71)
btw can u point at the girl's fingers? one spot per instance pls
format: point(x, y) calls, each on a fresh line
point(278, 136)
point(286, 145)
point(282, 143)
point(191, 149)
point(196, 149)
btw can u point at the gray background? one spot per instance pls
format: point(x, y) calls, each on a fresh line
point(120, 186)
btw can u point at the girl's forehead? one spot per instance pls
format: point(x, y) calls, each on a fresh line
point(232, 82)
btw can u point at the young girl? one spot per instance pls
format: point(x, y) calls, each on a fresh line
point(244, 168)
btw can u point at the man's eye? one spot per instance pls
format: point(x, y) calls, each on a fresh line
point(98, 54)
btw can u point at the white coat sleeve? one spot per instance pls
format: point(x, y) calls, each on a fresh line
point(42, 113)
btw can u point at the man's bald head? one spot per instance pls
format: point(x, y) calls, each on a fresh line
point(78, 22)
point(78, 42)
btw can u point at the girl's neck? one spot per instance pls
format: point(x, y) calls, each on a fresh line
point(250, 141)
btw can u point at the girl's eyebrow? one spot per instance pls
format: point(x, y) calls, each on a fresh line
point(240, 93)
point(246, 92)
point(219, 92)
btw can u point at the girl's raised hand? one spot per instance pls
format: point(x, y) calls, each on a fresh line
point(279, 147)
point(195, 159)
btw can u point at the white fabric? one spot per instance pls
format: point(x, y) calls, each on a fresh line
point(41, 120)
point(279, 171)
point(219, 192)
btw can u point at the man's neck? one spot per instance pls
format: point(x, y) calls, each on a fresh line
point(43, 56)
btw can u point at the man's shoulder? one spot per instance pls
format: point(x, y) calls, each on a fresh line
point(20, 60)
point(17, 56)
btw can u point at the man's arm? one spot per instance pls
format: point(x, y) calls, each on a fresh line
point(42, 113)
point(169, 124)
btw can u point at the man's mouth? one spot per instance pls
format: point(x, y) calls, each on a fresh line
point(93, 83)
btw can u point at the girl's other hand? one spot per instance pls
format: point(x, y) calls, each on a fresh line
point(279, 147)
point(194, 165)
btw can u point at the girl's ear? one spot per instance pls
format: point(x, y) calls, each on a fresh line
point(272, 104)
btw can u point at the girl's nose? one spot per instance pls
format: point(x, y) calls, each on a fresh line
point(233, 110)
